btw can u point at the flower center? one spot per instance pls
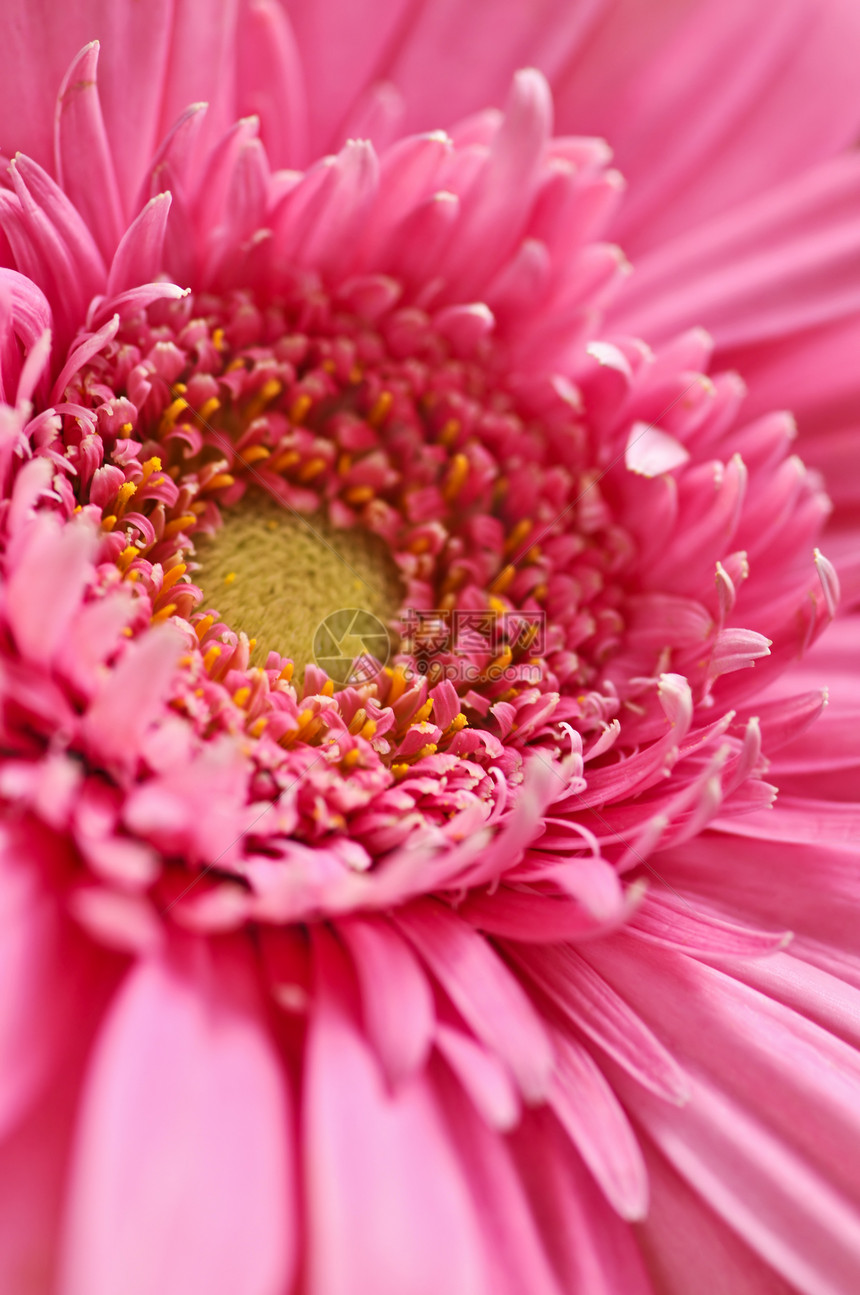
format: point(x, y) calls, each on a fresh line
point(281, 578)
point(266, 467)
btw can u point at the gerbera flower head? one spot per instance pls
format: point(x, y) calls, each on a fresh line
point(385, 631)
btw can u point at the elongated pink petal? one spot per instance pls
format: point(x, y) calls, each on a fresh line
point(675, 126)
point(140, 254)
point(484, 991)
point(388, 1206)
point(131, 698)
point(183, 1075)
point(269, 82)
point(791, 252)
point(84, 163)
point(594, 1007)
point(397, 1003)
point(596, 1124)
point(51, 574)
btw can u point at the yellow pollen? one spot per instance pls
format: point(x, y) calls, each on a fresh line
point(368, 730)
point(230, 577)
point(503, 660)
point(300, 409)
point(288, 459)
point(458, 723)
point(419, 545)
point(211, 657)
point(218, 340)
point(128, 428)
point(205, 412)
point(287, 673)
point(126, 558)
point(306, 718)
point(381, 409)
point(312, 468)
point(179, 524)
point(398, 686)
point(241, 696)
point(357, 720)
point(351, 759)
point(540, 593)
point(263, 397)
point(221, 481)
point(503, 580)
point(456, 477)
point(171, 576)
point(430, 749)
point(162, 614)
point(520, 532)
point(327, 689)
point(423, 713)
point(359, 495)
point(172, 412)
point(109, 522)
point(254, 454)
point(400, 770)
point(125, 492)
point(204, 626)
point(257, 727)
point(344, 463)
point(150, 466)
point(450, 432)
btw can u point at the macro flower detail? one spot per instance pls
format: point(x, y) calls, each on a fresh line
point(501, 960)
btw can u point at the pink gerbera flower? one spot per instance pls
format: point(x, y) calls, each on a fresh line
point(426, 857)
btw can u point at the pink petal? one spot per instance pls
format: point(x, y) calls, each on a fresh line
point(487, 995)
point(650, 452)
point(132, 696)
point(595, 1121)
point(140, 254)
point(703, 124)
point(594, 1007)
point(397, 1003)
point(591, 1247)
point(181, 1177)
point(778, 265)
point(34, 1005)
point(482, 1076)
point(84, 162)
point(47, 584)
point(463, 57)
point(270, 83)
point(388, 1207)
